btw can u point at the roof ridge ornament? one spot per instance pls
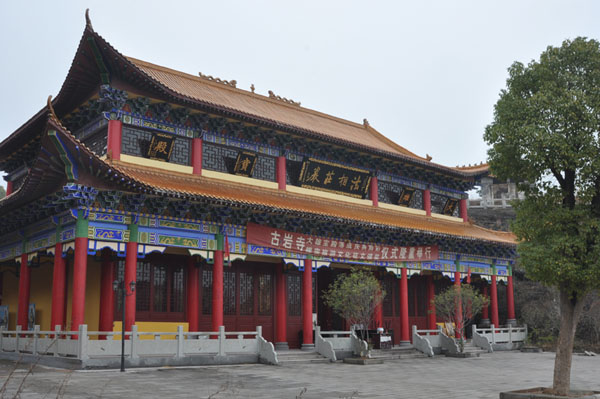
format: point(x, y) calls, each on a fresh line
point(283, 99)
point(51, 110)
point(88, 21)
point(232, 83)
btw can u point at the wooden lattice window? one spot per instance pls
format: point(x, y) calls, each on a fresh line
point(421, 297)
point(177, 290)
point(388, 299)
point(396, 295)
point(265, 289)
point(142, 287)
point(160, 289)
point(412, 297)
point(294, 297)
point(246, 294)
point(207, 275)
point(314, 293)
point(229, 307)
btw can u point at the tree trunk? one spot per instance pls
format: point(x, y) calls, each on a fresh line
point(571, 307)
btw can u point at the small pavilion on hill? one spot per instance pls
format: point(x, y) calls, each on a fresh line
point(224, 207)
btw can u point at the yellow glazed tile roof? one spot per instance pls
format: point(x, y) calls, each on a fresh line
point(175, 182)
point(272, 109)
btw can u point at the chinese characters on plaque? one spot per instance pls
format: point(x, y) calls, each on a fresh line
point(450, 206)
point(335, 178)
point(244, 163)
point(406, 196)
point(160, 147)
point(301, 243)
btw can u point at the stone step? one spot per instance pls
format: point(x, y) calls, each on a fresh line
point(397, 353)
point(286, 358)
point(303, 361)
point(298, 356)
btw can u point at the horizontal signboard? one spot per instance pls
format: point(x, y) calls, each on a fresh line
point(312, 245)
point(335, 178)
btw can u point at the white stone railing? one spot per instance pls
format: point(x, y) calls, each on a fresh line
point(266, 350)
point(85, 345)
point(481, 340)
point(448, 343)
point(503, 335)
point(359, 346)
point(426, 340)
point(326, 348)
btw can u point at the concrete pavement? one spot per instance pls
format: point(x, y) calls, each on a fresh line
point(440, 377)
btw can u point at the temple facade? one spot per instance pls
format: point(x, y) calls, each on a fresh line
point(216, 206)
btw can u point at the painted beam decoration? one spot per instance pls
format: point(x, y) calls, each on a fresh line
point(312, 245)
point(334, 178)
point(160, 147)
point(244, 163)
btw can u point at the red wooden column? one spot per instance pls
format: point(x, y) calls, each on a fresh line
point(217, 292)
point(485, 317)
point(378, 315)
point(193, 295)
point(79, 272)
point(59, 282)
point(9, 188)
point(307, 324)
point(404, 327)
point(494, 301)
point(458, 305)
point(281, 173)
point(113, 142)
point(374, 191)
point(197, 155)
point(130, 275)
point(24, 287)
point(431, 317)
point(510, 302)
point(427, 201)
point(107, 294)
point(280, 309)
point(463, 210)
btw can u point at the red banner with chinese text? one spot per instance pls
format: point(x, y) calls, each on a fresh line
point(306, 244)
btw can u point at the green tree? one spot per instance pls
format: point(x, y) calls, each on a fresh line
point(546, 133)
point(459, 305)
point(355, 296)
point(2, 192)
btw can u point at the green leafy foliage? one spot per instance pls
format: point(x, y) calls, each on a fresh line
point(355, 296)
point(545, 135)
point(464, 298)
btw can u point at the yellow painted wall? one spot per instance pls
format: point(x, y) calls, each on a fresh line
point(41, 294)
point(92, 294)
point(153, 326)
point(10, 296)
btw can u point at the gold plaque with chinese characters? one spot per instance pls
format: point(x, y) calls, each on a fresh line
point(335, 178)
point(160, 147)
point(244, 164)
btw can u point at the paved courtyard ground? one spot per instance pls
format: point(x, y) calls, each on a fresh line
point(439, 377)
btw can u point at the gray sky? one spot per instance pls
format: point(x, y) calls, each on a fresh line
point(424, 73)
